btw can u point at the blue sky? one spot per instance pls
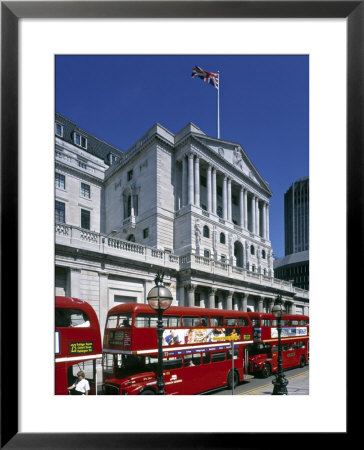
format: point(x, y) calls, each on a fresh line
point(264, 106)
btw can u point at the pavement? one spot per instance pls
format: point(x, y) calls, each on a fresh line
point(297, 385)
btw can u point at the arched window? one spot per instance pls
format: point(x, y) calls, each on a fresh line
point(206, 231)
point(131, 238)
point(263, 254)
point(252, 250)
point(222, 238)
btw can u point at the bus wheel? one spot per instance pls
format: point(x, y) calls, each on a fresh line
point(265, 372)
point(302, 361)
point(147, 392)
point(230, 381)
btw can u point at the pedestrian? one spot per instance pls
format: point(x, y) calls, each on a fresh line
point(81, 386)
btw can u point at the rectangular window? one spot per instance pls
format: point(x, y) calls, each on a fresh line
point(60, 212)
point(85, 190)
point(197, 299)
point(171, 322)
point(217, 321)
point(216, 357)
point(80, 140)
point(85, 219)
point(130, 175)
point(145, 233)
point(172, 363)
point(59, 130)
point(60, 181)
point(236, 353)
point(191, 321)
point(82, 165)
point(206, 253)
point(231, 321)
point(145, 321)
point(243, 322)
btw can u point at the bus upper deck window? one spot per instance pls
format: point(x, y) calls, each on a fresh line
point(217, 321)
point(191, 321)
point(71, 318)
point(112, 321)
point(171, 321)
point(231, 321)
point(243, 322)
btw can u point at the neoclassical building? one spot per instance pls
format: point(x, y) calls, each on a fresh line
point(189, 204)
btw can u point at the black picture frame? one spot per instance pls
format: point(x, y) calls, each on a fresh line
point(11, 12)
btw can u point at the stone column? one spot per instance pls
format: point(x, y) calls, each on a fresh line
point(191, 188)
point(224, 198)
point(191, 294)
point(229, 300)
point(253, 214)
point(267, 228)
point(257, 216)
point(197, 181)
point(212, 293)
point(104, 301)
point(132, 204)
point(214, 194)
point(264, 220)
point(260, 304)
point(184, 180)
point(244, 301)
point(219, 301)
point(235, 304)
point(74, 276)
point(241, 206)
point(293, 308)
point(229, 206)
point(209, 192)
point(245, 209)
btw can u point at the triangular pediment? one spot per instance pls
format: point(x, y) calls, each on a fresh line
point(235, 155)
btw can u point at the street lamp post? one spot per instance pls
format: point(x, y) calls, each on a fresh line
point(160, 299)
point(280, 382)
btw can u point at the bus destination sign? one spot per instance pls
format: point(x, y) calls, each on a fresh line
point(77, 348)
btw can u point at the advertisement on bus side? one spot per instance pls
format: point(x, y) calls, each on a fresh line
point(289, 332)
point(200, 335)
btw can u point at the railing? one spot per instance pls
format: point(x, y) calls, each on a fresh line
point(91, 240)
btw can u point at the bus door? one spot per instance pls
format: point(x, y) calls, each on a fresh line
point(246, 359)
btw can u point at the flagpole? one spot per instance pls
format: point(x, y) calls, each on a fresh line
point(218, 108)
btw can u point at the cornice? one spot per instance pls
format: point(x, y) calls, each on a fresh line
point(79, 173)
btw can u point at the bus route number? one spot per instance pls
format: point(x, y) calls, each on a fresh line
point(81, 347)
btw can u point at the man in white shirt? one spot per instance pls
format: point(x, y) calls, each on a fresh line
point(81, 386)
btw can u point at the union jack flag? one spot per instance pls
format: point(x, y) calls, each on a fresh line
point(208, 77)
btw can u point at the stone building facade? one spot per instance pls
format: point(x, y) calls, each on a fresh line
point(188, 204)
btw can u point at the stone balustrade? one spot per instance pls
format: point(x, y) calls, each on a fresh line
point(89, 240)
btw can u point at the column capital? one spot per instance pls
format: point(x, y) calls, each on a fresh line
point(212, 290)
point(190, 286)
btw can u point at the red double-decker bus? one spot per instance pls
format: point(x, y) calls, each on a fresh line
point(197, 349)
point(263, 353)
point(77, 343)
